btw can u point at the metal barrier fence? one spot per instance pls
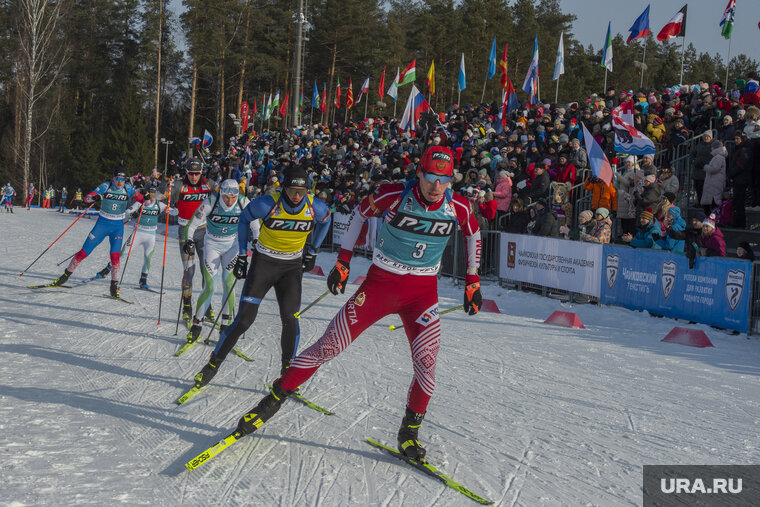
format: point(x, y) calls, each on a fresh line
point(754, 302)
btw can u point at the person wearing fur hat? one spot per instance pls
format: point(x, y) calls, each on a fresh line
point(602, 230)
point(645, 233)
point(715, 177)
point(711, 242)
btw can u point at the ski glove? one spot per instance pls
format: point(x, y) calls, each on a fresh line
point(189, 247)
point(473, 299)
point(338, 277)
point(308, 261)
point(241, 267)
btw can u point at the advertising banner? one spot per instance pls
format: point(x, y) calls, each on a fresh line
point(557, 263)
point(715, 292)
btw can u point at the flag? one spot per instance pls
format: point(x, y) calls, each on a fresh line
point(365, 89)
point(315, 100)
point(559, 64)
point(727, 23)
point(381, 86)
point(244, 115)
point(600, 166)
point(530, 85)
point(606, 62)
point(492, 60)
point(350, 94)
point(503, 67)
point(337, 94)
point(415, 106)
point(393, 90)
point(268, 110)
point(430, 79)
point(676, 27)
point(462, 80)
point(284, 107)
point(194, 140)
point(275, 103)
point(207, 139)
point(255, 109)
point(323, 102)
point(640, 27)
point(628, 139)
point(409, 74)
point(512, 102)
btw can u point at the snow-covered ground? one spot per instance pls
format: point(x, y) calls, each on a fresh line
point(523, 414)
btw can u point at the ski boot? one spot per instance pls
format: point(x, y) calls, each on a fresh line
point(408, 445)
point(208, 372)
point(262, 412)
point(104, 272)
point(285, 366)
point(143, 283)
point(195, 331)
point(114, 289)
point(210, 315)
point(225, 318)
point(187, 309)
point(62, 279)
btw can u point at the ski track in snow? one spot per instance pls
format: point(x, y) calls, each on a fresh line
point(523, 413)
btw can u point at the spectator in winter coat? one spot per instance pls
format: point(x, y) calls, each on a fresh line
point(711, 242)
point(546, 221)
point(539, 188)
point(727, 131)
point(655, 129)
point(625, 181)
point(565, 171)
point(517, 222)
point(602, 230)
point(649, 195)
point(740, 174)
point(673, 221)
point(487, 205)
point(602, 194)
point(648, 227)
point(715, 177)
point(585, 221)
point(744, 251)
point(701, 155)
point(578, 155)
point(668, 181)
point(647, 165)
point(503, 193)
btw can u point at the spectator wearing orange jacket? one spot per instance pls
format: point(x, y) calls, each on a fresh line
point(602, 194)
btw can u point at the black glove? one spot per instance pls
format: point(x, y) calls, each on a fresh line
point(656, 237)
point(308, 261)
point(241, 267)
point(189, 247)
point(136, 214)
point(338, 277)
point(473, 299)
point(97, 197)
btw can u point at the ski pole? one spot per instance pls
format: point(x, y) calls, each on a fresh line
point(56, 239)
point(221, 311)
point(444, 312)
point(163, 266)
point(298, 314)
point(67, 258)
point(134, 233)
point(179, 311)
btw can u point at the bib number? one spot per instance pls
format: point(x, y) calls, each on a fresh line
point(417, 254)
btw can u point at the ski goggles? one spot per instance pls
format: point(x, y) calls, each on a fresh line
point(294, 192)
point(432, 178)
point(230, 191)
point(120, 178)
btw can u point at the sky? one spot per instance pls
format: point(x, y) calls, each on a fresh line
point(702, 22)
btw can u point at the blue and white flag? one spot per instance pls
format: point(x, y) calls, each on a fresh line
point(462, 81)
point(559, 64)
point(207, 139)
point(530, 85)
point(492, 60)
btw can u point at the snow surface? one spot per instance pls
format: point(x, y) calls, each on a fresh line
point(523, 414)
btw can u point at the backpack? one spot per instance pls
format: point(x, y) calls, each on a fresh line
point(724, 213)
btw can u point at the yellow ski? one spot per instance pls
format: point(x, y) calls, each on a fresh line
point(213, 450)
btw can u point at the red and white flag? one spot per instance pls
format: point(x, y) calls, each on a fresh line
point(676, 27)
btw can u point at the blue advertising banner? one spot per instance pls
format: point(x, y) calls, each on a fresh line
point(715, 292)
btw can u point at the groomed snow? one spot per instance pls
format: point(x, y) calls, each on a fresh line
point(523, 414)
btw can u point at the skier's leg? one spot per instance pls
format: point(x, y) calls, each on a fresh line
point(288, 291)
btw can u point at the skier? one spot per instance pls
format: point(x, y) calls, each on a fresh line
point(77, 201)
point(221, 214)
point(8, 194)
point(280, 259)
point(30, 193)
point(188, 194)
point(114, 197)
point(62, 201)
point(49, 196)
point(418, 219)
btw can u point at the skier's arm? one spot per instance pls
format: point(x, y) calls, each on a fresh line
point(258, 208)
point(471, 232)
point(322, 218)
point(135, 206)
point(199, 217)
point(90, 198)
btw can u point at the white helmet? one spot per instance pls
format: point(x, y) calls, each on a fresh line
point(229, 187)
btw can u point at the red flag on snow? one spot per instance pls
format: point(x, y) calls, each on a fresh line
point(676, 27)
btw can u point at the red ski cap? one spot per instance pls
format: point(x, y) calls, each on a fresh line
point(438, 160)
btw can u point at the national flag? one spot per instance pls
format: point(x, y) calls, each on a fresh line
point(350, 94)
point(606, 62)
point(255, 108)
point(268, 110)
point(323, 102)
point(530, 85)
point(244, 116)
point(337, 94)
point(628, 139)
point(676, 27)
point(640, 27)
point(393, 90)
point(492, 60)
point(207, 139)
point(284, 107)
point(503, 67)
point(409, 74)
point(512, 102)
point(365, 89)
point(727, 23)
point(315, 99)
point(415, 107)
point(381, 86)
point(194, 140)
point(559, 64)
point(275, 103)
point(462, 80)
point(430, 79)
point(600, 166)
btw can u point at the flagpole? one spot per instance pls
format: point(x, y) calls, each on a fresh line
point(683, 48)
point(485, 81)
point(643, 63)
point(366, 103)
point(556, 92)
point(728, 63)
point(459, 96)
point(605, 79)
